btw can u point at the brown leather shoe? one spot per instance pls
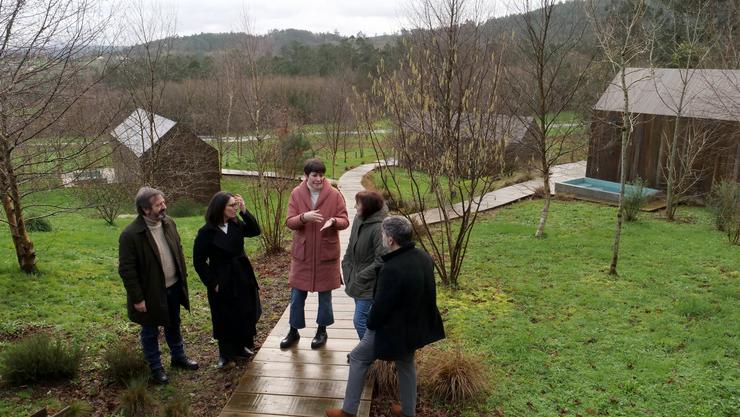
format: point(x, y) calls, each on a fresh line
point(337, 412)
point(396, 410)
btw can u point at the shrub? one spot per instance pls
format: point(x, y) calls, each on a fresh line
point(135, 399)
point(39, 358)
point(185, 207)
point(125, 363)
point(176, 407)
point(452, 376)
point(383, 376)
point(292, 153)
point(38, 225)
point(79, 409)
point(724, 201)
point(634, 199)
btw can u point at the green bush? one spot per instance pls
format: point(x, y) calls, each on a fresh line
point(634, 199)
point(39, 358)
point(293, 152)
point(724, 201)
point(38, 225)
point(135, 399)
point(125, 363)
point(186, 208)
point(176, 407)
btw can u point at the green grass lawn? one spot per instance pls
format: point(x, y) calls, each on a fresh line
point(564, 338)
point(358, 152)
point(402, 186)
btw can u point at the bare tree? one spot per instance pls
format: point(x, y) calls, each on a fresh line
point(48, 62)
point(269, 195)
point(444, 104)
point(622, 42)
point(145, 72)
point(335, 115)
point(544, 80)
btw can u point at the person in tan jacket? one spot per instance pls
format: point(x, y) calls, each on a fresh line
point(316, 214)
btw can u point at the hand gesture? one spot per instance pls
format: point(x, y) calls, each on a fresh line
point(313, 216)
point(140, 306)
point(239, 200)
point(329, 223)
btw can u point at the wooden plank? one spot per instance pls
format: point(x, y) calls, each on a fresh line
point(339, 345)
point(297, 387)
point(298, 370)
point(336, 307)
point(284, 405)
point(317, 356)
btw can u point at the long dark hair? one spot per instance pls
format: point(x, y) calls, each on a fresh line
point(215, 210)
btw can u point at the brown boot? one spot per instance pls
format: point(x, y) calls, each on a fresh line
point(337, 412)
point(396, 410)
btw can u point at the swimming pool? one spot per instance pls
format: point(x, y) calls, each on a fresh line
point(595, 189)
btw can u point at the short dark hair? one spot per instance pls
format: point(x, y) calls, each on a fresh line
point(216, 207)
point(314, 165)
point(371, 202)
point(144, 198)
point(399, 228)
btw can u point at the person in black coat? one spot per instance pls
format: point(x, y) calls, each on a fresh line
point(222, 264)
point(404, 317)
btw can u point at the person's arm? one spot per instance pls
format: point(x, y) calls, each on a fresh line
point(295, 220)
point(341, 217)
point(127, 268)
point(249, 225)
point(200, 259)
point(387, 299)
point(369, 273)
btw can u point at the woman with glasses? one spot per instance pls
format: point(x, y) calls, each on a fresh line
point(222, 264)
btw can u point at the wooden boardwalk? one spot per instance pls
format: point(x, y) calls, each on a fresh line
point(304, 382)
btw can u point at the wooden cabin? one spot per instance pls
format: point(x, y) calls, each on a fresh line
point(708, 114)
point(153, 150)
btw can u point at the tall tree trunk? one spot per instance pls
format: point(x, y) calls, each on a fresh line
point(24, 249)
point(672, 174)
point(626, 127)
point(546, 208)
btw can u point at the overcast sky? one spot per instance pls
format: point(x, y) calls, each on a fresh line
point(348, 17)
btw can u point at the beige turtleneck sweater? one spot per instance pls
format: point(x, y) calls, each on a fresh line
point(165, 253)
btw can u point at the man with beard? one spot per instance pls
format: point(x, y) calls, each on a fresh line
point(152, 266)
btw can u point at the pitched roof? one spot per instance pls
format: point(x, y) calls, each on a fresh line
point(138, 135)
point(710, 93)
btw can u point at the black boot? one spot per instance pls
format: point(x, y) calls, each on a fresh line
point(291, 339)
point(320, 338)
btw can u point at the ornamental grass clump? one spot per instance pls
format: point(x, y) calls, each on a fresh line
point(40, 358)
point(136, 400)
point(176, 407)
point(124, 363)
point(452, 376)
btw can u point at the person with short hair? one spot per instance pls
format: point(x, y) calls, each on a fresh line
point(316, 214)
point(152, 266)
point(404, 317)
point(364, 255)
point(225, 270)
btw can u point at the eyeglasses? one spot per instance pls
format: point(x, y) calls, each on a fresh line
point(235, 205)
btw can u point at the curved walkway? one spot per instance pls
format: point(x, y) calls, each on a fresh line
point(303, 382)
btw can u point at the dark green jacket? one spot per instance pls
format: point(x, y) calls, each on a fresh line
point(363, 256)
point(141, 270)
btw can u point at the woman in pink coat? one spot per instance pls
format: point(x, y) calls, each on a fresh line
point(316, 214)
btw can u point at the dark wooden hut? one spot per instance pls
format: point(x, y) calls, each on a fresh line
point(710, 107)
point(151, 149)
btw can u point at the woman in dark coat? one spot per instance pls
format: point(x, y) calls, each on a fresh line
point(223, 266)
point(363, 256)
